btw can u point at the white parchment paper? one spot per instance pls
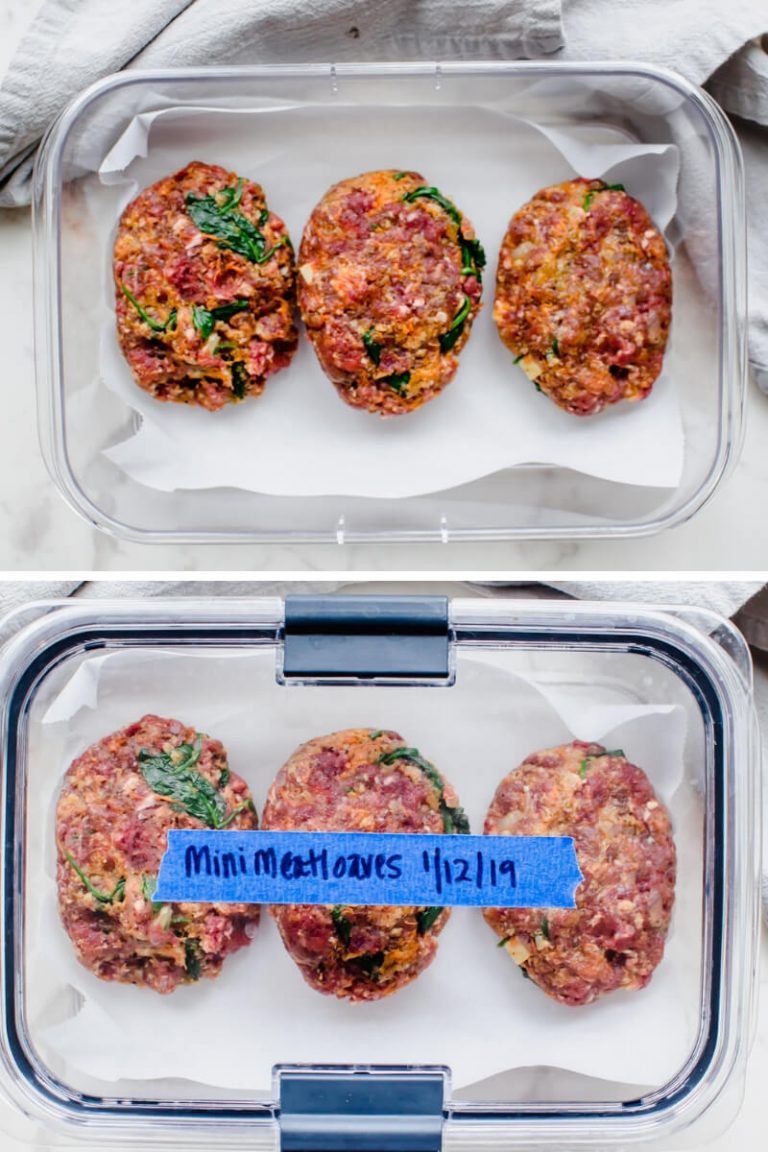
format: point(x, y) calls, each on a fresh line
point(471, 1010)
point(299, 438)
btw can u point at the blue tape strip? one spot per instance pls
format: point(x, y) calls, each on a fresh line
point(368, 868)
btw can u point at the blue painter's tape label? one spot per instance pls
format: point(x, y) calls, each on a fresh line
point(368, 868)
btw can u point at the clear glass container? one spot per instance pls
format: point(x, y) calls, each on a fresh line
point(330, 112)
point(111, 1065)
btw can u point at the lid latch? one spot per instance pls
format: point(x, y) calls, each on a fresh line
point(351, 1110)
point(384, 638)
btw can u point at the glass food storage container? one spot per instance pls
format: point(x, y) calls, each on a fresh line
point(490, 134)
point(468, 1055)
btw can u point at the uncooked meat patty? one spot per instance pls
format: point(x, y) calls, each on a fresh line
point(389, 284)
point(614, 937)
point(117, 804)
point(204, 288)
point(584, 295)
point(360, 780)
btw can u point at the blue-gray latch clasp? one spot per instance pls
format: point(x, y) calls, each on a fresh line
point(366, 637)
point(349, 1110)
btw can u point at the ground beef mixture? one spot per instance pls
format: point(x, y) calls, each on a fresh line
point(361, 780)
point(584, 295)
point(204, 288)
point(614, 937)
point(117, 803)
point(389, 284)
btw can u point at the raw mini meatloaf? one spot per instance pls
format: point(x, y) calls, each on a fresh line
point(361, 780)
point(614, 937)
point(117, 803)
point(204, 288)
point(389, 284)
point(584, 295)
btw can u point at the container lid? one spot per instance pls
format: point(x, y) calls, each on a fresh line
point(467, 1052)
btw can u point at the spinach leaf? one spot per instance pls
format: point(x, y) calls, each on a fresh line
point(236, 812)
point(117, 893)
point(449, 338)
point(173, 776)
point(596, 756)
point(231, 197)
point(472, 258)
point(472, 251)
point(369, 963)
point(454, 819)
point(426, 918)
point(204, 319)
point(372, 347)
point(216, 216)
point(193, 965)
point(342, 926)
point(148, 887)
point(545, 928)
point(398, 382)
point(225, 311)
point(240, 379)
point(605, 188)
point(432, 193)
point(416, 758)
point(155, 325)
point(555, 347)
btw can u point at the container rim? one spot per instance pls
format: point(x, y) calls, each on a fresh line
point(717, 671)
point(46, 220)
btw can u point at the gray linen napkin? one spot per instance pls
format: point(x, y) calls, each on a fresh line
point(723, 596)
point(741, 86)
point(72, 43)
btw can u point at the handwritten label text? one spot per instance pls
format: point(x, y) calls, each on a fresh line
point(368, 868)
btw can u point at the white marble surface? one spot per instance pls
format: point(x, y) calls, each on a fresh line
point(39, 532)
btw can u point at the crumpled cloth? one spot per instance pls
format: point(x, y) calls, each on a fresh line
point(722, 44)
point(71, 43)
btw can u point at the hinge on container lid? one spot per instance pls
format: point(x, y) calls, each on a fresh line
point(396, 638)
point(370, 1110)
